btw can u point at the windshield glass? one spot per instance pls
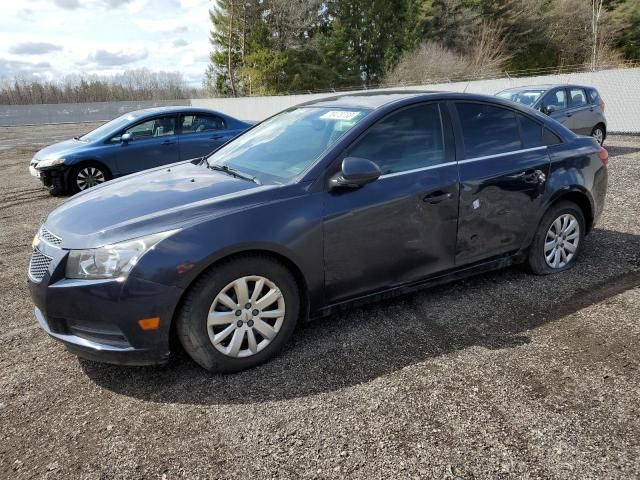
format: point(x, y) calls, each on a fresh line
point(283, 146)
point(526, 97)
point(110, 127)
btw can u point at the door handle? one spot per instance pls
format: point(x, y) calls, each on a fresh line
point(216, 137)
point(437, 197)
point(168, 142)
point(569, 114)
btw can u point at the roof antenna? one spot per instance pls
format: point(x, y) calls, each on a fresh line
point(465, 88)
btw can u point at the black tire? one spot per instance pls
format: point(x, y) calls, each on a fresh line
point(602, 128)
point(72, 179)
point(537, 260)
point(192, 328)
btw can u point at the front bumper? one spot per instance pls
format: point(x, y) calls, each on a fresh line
point(55, 177)
point(98, 319)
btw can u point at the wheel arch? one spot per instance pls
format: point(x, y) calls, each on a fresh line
point(88, 161)
point(580, 197)
point(292, 266)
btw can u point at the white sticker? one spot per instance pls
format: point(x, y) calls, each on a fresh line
point(339, 115)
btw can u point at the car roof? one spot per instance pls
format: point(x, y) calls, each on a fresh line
point(170, 109)
point(546, 86)
point(375, 100)
point(367, 100)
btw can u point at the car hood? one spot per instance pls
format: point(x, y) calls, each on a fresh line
point(148, 202)
point(59, 150)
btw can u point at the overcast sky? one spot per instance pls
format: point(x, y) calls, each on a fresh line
point(52, 38)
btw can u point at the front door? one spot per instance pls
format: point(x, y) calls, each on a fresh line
point(400, 228)
point(555, 104)
point(153, 142)
point(503, 168)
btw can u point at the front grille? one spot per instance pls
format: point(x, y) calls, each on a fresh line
point(39, 265)
point(49, 237)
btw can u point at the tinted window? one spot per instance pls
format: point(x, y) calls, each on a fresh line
point(550, 138)
point(578, 97)
point(201, 123)
point(488, 130)
point(557, 99)
point(157, 127)
point(530, 131)
point(405, 140)
point(595, 97)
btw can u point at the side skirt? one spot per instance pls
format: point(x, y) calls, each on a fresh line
point(440, 279)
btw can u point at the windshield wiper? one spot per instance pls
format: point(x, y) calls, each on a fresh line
point(233, 172)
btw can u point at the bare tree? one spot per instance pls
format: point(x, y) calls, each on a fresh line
point(596, 12)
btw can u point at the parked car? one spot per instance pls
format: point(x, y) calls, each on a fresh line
point(577, 107)
point(135, 141)
point(332, 202)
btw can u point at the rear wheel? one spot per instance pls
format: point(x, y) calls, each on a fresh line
point(558, 240)
point(239, 314)
point(598, 133)
point(87, 175)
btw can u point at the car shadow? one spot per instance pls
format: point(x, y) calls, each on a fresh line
point(494, 311)
point(618, 150)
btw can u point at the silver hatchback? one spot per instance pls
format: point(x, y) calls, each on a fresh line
point(579, 108)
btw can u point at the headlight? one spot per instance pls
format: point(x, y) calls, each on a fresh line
point(111, 261)
point(50, 163)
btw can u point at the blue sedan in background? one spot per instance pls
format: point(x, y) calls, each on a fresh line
point(133, 142)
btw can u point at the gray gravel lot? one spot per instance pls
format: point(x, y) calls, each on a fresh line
point(505, 375)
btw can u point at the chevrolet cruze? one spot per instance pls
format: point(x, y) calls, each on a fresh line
point(344, 199)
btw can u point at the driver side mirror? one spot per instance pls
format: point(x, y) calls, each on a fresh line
point(355, 172)
point(549, 109)
point(126, 138)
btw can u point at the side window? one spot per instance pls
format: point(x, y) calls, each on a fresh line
point(550, 138)
point(201, 123)
point(157, 127)
point(557, 99)
point(488, 130)
point(409, 139)
point(530, 131)
point(595, 98)
point(578, 97)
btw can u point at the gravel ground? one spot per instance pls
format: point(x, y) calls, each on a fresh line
point(505, 375)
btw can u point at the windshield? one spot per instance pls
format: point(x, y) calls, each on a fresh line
point(526, 97)
point(283, 146)
point(109, 127)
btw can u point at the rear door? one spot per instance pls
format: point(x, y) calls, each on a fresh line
point(202, 133)
point(503, 168)
point(402, 227)
point(153, 143)
point(579, 114)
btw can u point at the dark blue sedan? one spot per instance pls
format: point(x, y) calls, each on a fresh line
point(326, 204)
point(133, 142)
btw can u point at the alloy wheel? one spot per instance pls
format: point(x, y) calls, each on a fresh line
point(561, 242)
point(598, 134)
point(89, 177)
point(246, 316)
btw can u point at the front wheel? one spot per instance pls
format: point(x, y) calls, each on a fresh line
point(87, 175)
point(558, 240)
point(239, 314)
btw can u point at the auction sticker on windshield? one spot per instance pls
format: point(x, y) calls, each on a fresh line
point(339, 115)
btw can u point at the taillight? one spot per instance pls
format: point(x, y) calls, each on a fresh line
point(602, 105)
point(604, 156)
